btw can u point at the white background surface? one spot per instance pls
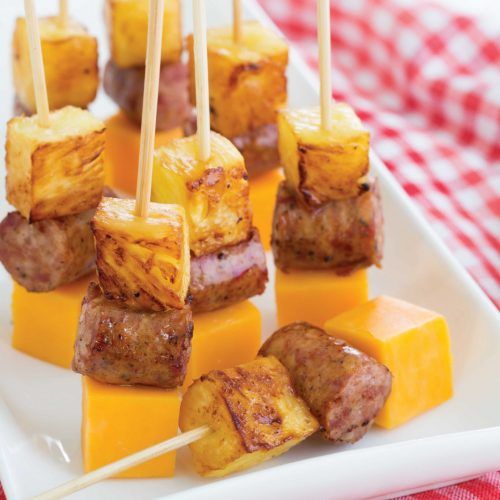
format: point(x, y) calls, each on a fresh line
point(39, 432)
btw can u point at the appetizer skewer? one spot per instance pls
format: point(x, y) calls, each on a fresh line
point(248, 85)
point(206, 174)
point(327, 226)
point(134, 337)
point(239, 417)
point(69, 59)
point(55, 179)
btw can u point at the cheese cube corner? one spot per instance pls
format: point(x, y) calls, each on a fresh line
point(52, 336)
point(121, 154)
point(412, 342)
point(323, 165)
point(223, 339)
point(127, 24)
point(69, 59)
point(142, 261)
point(316, 296)
point(57, 170)
point(120, 420)
point(253, 412)
point(215, 192)
point(247, 80)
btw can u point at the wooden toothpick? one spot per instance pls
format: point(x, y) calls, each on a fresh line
point(201, 77)
point(149, 107)
point(63, 12)
point(124, 464)
point(37, 68)
point(325, 62)
point(237, 20)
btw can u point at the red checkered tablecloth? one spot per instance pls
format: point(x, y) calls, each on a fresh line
point(426, 81)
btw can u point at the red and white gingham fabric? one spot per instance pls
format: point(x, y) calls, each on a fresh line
point(426, 81)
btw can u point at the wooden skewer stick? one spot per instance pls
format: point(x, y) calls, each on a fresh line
point(237, 20)
point(325, 63)
point(63, 12)
point(149, 107)
point(37, 68)
point(124, 464)
point(201, 77)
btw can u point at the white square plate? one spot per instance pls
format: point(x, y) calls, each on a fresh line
point(40, 429)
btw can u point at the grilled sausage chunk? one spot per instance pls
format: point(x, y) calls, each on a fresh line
point(126, 87)
point(45, 254)
point(228, 276)
point(344, 388)
point(343, 235)
point(116, 345)
point(259, 147)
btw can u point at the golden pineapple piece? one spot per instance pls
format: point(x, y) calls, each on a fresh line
point(323, 165)
point(214, 193)
point(253, 412)
point(127, 23)
point(57, 170)
point(247, 80)
point(70, 62)
point(142, 262)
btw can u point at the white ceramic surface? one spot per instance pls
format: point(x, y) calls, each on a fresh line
point(40, 412)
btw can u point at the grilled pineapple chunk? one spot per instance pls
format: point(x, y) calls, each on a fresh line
point(142, 262)
point(253, 412)
point(214, 193)
point(247, 80)
point(70, 62)
point(127, 23)
point(57, 170)
point(323, 166)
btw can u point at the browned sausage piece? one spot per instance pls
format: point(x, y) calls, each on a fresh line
point(116, 345)
point(45, 254)
point(228, 276)
point(342, 235)
point(259, 147)
point(126, 87)
point(344, 388)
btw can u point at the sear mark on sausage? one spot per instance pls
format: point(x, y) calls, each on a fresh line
point(342, 235)
point(344, 388)
point(116, 345)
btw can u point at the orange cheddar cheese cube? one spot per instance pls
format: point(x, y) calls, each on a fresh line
point(412, 342)
point(315, 296)
point(121, 154)
point(263, 188)
point(52, 336)
point(223, 339)
point(120, 420)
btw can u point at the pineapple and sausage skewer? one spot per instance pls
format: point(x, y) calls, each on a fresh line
point(55, 180)
point(327, 224)
point(135, 327)
point(247, 64)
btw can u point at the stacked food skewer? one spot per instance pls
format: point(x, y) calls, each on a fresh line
point(188, 260)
